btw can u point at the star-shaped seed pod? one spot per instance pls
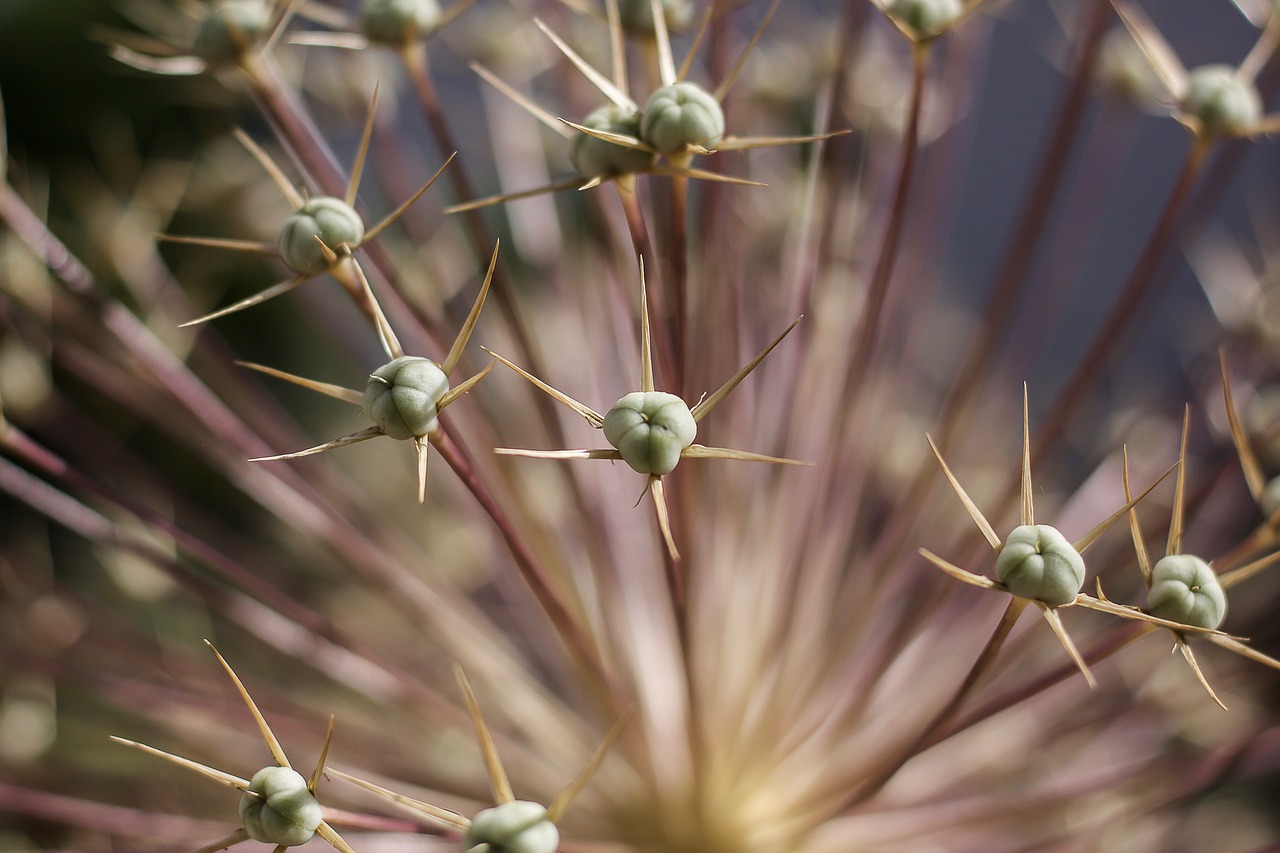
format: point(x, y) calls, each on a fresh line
point(321, 235)
point(622, 139)
point(401, 25)
point(922, 21)
point(278, 805)
point(511, 825)
point(224, 33)
point(1213, 101)
point(1184, 593)
point(1035, 563)
point(651, 430)
point(403, 397)
point(1265, 492)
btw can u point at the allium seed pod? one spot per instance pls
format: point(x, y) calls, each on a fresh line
point(399, 22)
point(649, 429)
point(515, 827)
point(596, 158)
point(230, 29)
point(1038, 562)
point(1221, 101)
point(284, 812)
point(401, 396)
point(681, 114)
point(637, 16)
point(1184, 589)
point(927, 17)
point(332, 220)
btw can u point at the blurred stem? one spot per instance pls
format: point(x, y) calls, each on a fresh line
point(878, 291)
point(679, 266)
point(929, 735)
point(638, 228)
point(571, 632)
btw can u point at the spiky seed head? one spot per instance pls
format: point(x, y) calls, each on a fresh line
point(596, 158)
point(636, 16)
point(402, 396)
point(515, 827)
point(649, 429)
point(1221, 101)
point(926, 18)
point(398, 23)
point(1184, 589)
point(331, 220)
point(277, 808)
point(681, 114)
point(1038, 562)
point(230, 29)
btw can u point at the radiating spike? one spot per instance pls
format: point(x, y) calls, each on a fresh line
point(203, 769)
point(1028, 496)
point(277, 752)
point(958, 573)
point(446, 817)
point(698, 451)
point(320, 762)
point(597, 79)
point(170, 66)
point(727, 83)
point(1248, 461)
point(231, 840)
point(745, 143)
point(363, 435)
point(1230, 578)
point(420, 447)
point(386, 335)
point(702, 175)
point(498, 781)
point(703, 27)
point(1170, 70)
point(646, 337)
point(489, 201)
point(1055, 622)
point(1185, 648)
point(328, 833)
point(269, 166)
point(1263, 49)
point(1086, 541)
point(591, 415)
point(362, 151)
point(664, 517)
point(452, 395)
point(1232, 644)
point(1135, 529)
point(373, 232)
point(622, 140)
point(346, 395)
point(558, 454)
point(1102, 605)
point(1179, 489)
point(252, 246)
point(561, 801)
point(464, 334)
point(515, 95)
point(976, 514)
point(704, 406)
point(258, 298)
point(286, 12)
point(662, 40)
point(617, 47)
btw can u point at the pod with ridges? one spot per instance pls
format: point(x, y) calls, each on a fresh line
point(1037, 562)
point(402, 397)
point(1221, 101)
point(650, 429)
point(518, 826)
point(681, 115)
point(278, 808)
point(1185, 589)
point(230, 30)
point(598, 158)
point(926, 18)
point(399, 23)
point(323, 219)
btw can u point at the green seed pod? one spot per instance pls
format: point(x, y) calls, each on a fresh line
point(399, 23)
point(1224, 104)
point(649, 429)
point(515, 827)
point(637, 16)
point(401, 396)
point(926, 18)
point(284, 812)
point(230, 29)
point(681, 114)
point(596, 158)
point(1184, 589)
point(1038, 562)
point(330, 219)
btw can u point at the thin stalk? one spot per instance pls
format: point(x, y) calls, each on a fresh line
point(678, 266)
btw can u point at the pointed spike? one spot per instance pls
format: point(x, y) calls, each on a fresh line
point(744, 143)
point(346, 395)
point(1263, 49)
point(420, 446)
point(1185, 648)
point(699, 451)
point(464, 334)
point(498, 781)
point(704, 407)
point(170, 66)
point(1179, 489)
point(277, 752)
point(958, 573)
point(488, 201)
point(203, 769)
point(596, 79)
point(727, 83)
point(617, 49)
point(249, 246)
point(328, 833)
point(1135, 529)
point(702, 175)
point(561, 801)
point(703, 27)
point(1028, 496)
point(362, 435)
point(664, 517)
point(1086, 541)
point(1055, 622)
point(976, 514)
point(394, 215)
point(591, 415)
point(646, 336)
point(622, 140)
point(515, 95)
point(452, 395)
point(662, 40)
point(285, 14)
point(1234, 576)
point(231, 840)
point(320, 762)
point(1124, 611)
point(362, 152)
point(445, 817)
point(386, 335)
point(269, 166)
point(258, 298)
point(1234, 645)
point(1170, 70)
point(1248, 461)
point(610, 454)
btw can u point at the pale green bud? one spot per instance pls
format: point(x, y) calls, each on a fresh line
point(402, 395)
point(230, 29)
point(596, 158)
point(515, 827)
point(399, 22)
point(332, 220)
point(1223, 103)
point(1184, 589)
point(277, 808)
point(637, 16)
point(649, 429)
point(1038, 562)
point(926, 17)
point(681, 114)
